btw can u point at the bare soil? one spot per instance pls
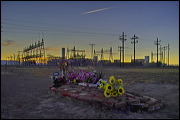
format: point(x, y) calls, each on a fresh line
point(25, 94)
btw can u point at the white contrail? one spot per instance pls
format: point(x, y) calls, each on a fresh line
point(97, 10)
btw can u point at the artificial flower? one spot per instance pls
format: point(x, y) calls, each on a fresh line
point(109, 87)
point(121, 90)
point(114, 93)
point(120, 82)
point(112, 79)
point(103, 82)
point(107, 93)
point(101, 86)
point(74, 80)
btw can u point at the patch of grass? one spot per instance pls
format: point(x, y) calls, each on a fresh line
point(130, 75)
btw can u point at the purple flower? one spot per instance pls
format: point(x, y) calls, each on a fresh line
point(82, 76)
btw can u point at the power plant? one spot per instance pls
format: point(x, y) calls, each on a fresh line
point(34, 54)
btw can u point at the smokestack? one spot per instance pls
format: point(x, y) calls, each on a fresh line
point(63, 53)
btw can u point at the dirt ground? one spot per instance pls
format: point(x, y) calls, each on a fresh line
point(25, 94)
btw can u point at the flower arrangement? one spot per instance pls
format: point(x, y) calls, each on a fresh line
point(113, 88)
point(83, 76)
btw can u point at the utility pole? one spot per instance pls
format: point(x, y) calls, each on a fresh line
point(161, 53)
point(134, 42)
point(92, 45)
point(6, 60)
point(74, 52)
point(164, 54)
point(151, 56)
point(120, 50)
point(131, 60)
point(157, 43)
point(11, 59)
point(42, 47)
point(22, 56)
point(122, 38)
point(102, 56)
point(14, 59)
point(168, 53)
point(19, 57)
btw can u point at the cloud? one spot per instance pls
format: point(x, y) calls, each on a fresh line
point(97, 10)
point(7, 43)
point(50, 55)
point(51, 49)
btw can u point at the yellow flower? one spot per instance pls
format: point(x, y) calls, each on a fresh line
point(74, 80)
point(114, 93)
point(112, 80)
point(101, 86)
point(120, 82)
point(121, 90)
point(107, 93)
point(109, 87)
point(103, 82)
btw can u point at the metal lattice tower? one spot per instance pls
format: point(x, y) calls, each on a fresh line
point(96, 53)
point(102, 52)
point(75, 54)
point(34, 52)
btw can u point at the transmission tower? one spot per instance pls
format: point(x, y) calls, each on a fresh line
point(30, 54)
point(122, 38)
point(76, 54)
point(102, 52)
point(92, 45)
point(134, 42)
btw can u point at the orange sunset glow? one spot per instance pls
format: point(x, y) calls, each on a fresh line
point(64, 24)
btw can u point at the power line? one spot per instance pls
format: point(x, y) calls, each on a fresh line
point(55, 24)
point(55, 29)
point(64, 34)
point(20, 32)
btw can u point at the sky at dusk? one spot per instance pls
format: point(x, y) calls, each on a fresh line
point(80, 23)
